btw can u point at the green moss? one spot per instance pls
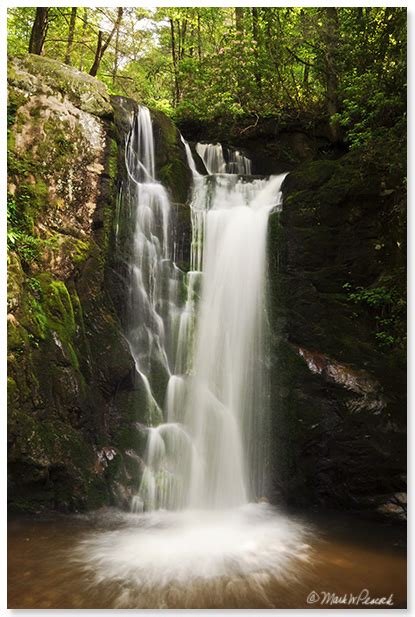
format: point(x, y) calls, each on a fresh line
point(97, 494)
point(49, 309)
point(21, 505)
point(33, 317)
point(311, 176)
point(17, 337)
point(58, 304)
point(113, 160)
point(166, 126)
point(24, 207)
point(171, 161)
point(84, 91)
point(11, 72)
point(175, 175)
point(11, 388)
point(31, 195)
point(50, 444)
point(61, 143)
point(81, 250)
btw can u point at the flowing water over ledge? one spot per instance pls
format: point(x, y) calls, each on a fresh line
point(199, 338)
point(251, 557)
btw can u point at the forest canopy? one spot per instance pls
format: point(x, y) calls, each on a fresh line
point(203, 63)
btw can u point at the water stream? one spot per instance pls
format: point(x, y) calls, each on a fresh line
point(207, 445)
point(112, 559)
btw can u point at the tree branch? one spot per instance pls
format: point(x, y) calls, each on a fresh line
point(310, 64)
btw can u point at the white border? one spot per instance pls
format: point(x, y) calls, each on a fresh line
point(3, 275)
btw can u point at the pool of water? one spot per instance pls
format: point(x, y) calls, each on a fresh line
point(252, 557)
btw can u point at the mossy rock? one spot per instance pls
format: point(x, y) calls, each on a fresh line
point(73, 387)
point(84, 91)
point(171, 161)
point(337, 231)
point(310, 176)
point(15, 278)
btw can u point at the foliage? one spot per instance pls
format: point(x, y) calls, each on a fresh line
point(27, 246)
point(387, 304)
point(204, 62)
point(374, 82)
point(18, 239)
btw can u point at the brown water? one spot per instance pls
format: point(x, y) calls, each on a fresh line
point(345, 556)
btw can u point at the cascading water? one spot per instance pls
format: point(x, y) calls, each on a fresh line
point(207, 445)
point(150, 271)
point(227, 405)
point(213, 157)
point(209, 450)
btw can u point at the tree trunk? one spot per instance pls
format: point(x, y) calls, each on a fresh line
point(102, 45)
point(255, 23)
point(116, 54)
point(70, 36)
point(178, 41)
point(39, 30)
point(98, 55)
point(387, 24)
point(306, 75)
point(239, 19)
point(176, 92)
point(255, 35)
point(331, 42)
point(199, 38)
point(183, 38)
point(84, 27)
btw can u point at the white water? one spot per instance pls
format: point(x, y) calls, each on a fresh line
point(213, 157)
point(207, 445)
point(227, 407)
point(164, 558)
point(150, 270)
point(211, 449)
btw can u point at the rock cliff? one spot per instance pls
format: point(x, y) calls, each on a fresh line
point(74, 403)
point(337, 267)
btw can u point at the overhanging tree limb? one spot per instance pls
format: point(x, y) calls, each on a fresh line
point(103, 44)
point(294, 55)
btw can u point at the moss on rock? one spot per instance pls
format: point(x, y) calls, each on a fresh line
point(68, 360)
point(76, 404)
point(32, 72)
point(329, 449)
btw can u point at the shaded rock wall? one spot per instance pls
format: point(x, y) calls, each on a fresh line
point(275, 144)
point(74, 402)
point(337, 269)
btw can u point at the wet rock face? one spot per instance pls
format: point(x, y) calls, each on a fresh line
point(339, 409)
point(367, 389)
point(275, 144)
point(71, 387)
point(59, 159)
point(76, 406)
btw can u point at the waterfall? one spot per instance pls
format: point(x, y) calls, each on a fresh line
point(150, 271)
point(213, 156)
point(201, 542)
point(227, 407)
point(208, 431)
